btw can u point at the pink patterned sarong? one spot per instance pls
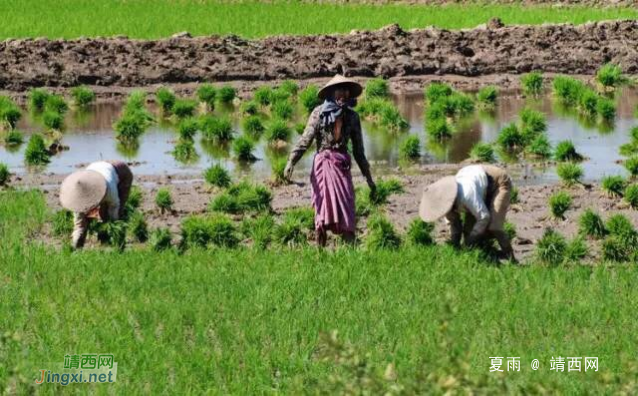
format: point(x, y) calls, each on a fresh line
point(333, 192)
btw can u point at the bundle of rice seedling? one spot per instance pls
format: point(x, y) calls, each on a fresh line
point(559, 203)
point(532, 83)
point(483, 152)
point(411, 148)
point(83, 96)
point(164, 200)
point(569, 173)
point(376, 88)
point(613, 186)
point(381, 234)
point(217, 176)
point(487, 96)
point(591, 225)
point(36, 152)
point(218, 129)
point(420, 233)
point(551, 248)
point(161, 239)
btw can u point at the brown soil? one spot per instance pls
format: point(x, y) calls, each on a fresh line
point(388, 52)
point(530, 215)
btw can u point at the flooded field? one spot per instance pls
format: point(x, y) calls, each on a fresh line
point(89, 136)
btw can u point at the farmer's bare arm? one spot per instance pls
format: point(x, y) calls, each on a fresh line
point(358, 152)
point(80, 229)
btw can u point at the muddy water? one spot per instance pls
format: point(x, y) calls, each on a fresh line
point(90, 137)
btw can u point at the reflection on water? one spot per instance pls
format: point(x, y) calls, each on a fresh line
point(90, 137)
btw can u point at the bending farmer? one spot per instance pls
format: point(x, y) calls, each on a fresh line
point(482, 192)
point(332, 124)
point(98, 192)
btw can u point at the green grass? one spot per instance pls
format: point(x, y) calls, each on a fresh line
point(155, 19)
point(247, 322)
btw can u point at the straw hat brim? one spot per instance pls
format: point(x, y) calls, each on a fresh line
point(82, 191)
point(438, 199)
point(354, 87)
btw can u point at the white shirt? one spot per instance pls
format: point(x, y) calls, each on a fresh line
point(472, 184)
point(112, 197)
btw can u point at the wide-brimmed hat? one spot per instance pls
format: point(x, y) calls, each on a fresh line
point(82, 191)
point(354, 87)
point(438, 199)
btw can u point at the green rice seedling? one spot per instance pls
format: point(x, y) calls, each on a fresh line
point(62, 223)
point(532, 122)
point(631, 195)
point(606, 109)
point(243, 148)
point(381, 234)
point(576, 250)
point(628, 149)
point(385, 188)
point(219, 129)
point(510, 138)
point(613, 186)
point(419, 233)
point(439, 129)
point(201, 231)
point(619, 225)
point(166, 99)
point(559, 203)
point(129, 128)
point(460, 104)
point(263, 95)
point(376, 88)
point(289, 86)
point(37, 99)
point(185, 151)
point(164, 200)
point(371, 108)
point(565, 151)
point(539, 147)
point(279, 95)
point(226, 94)
point(277, 167)
point(567, 89)
point(610, 76)
point(483, 152)
point(250, 107)
point(134, 200)
point(588, 102)
point(487, 96)
point(435, 111)
point(113, 233)
point(293, 230)
point(259, 230)
point(300, 128)
point(615, 249)
point(13, 138)
point(569, 173)
point(53, 120)
point(217, 176)
point(510, 230)
point(436, 91)
point(187, 128)
point(161, 239)
point(184, 108)
point(551, 248)
point(10, 113)
point(242, 197)
point(206, 93)
point(136, 100)
point(253, 126)
point(590, 224)
point(391, 118)
point(282, 109)
point(514, 195)
point(4, 174)
point(411, 148)
point(82, 96)
point(36, 152)
point(56, 103)
point(532, 83)
point(278, 130)
point(631, 164)
point(138, 228)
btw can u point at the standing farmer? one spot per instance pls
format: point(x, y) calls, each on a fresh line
point(98, 192)
point(482, 192)
point(332, 124)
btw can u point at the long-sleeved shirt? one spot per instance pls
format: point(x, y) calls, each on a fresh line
point(325, 139)
point(112, 198)
point(472, 185)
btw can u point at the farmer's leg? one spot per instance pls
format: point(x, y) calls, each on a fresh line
point(80, 229)
point(468, 225)
point(321, 237)
point(348, 237)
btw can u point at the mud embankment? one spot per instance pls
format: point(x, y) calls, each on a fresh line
point(390, 52)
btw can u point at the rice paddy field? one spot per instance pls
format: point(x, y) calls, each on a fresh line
point(146, 19)
point(212, 283)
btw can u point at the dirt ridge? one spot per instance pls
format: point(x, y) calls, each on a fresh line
point(389, 52)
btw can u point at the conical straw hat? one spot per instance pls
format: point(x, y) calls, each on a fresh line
point(438, 199)
point(354, 87)
point(82, 191)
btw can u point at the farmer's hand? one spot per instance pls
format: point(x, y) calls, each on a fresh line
point(373, 190)
point(288, 172)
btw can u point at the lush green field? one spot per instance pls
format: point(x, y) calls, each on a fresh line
point(161, 18)
point(240, 322)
